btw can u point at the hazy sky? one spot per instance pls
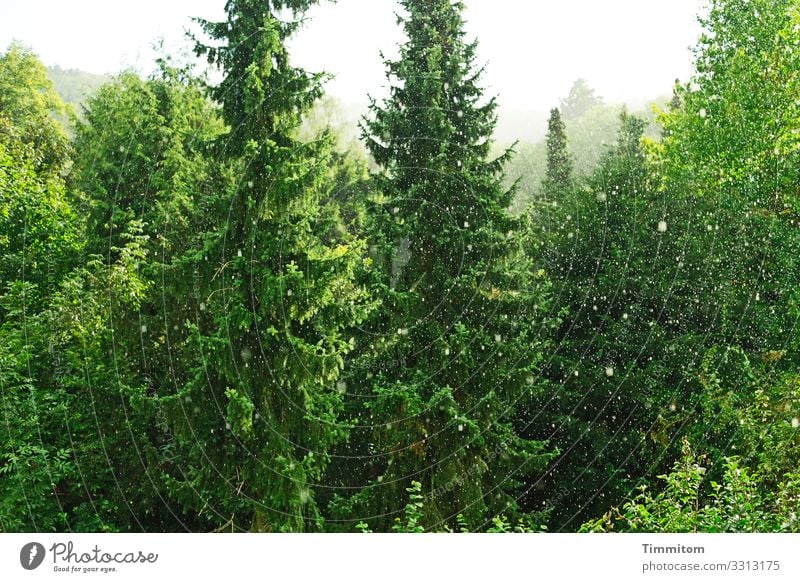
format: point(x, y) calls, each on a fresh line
point(628, 50)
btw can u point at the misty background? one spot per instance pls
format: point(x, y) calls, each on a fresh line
point(620, 52)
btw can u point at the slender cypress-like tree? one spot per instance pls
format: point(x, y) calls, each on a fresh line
point(275, 292)
point(457, 344)
point(559, 160)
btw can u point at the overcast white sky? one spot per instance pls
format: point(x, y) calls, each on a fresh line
point(629, 50)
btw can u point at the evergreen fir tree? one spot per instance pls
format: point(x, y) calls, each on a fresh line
point(275, 292)
point(458, 342)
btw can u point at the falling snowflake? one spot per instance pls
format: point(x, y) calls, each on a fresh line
point(662, 226)
point(609, 371)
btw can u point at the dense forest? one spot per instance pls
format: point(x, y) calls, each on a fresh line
point(218, 314)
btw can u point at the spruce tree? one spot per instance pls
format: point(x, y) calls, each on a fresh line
point(275, 292)
point(457, 344)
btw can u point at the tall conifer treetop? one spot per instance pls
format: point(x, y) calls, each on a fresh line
point(433, 138)
point(463, 310)
point(276, 290)
point(263, 96)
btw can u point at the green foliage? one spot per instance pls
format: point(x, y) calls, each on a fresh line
point(614, 370)
point(72, 436)
point(142, 155)
point(276, 293)
point(412, 514)
point(458, 340)
point(32, 106)
point(743, 502)
point(39, 230)
point(676, 263)
point(213, 317)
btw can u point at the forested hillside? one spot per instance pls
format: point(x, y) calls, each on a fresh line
point(75, 86)
point(219, 313)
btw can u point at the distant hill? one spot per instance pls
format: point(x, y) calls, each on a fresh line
point(75, 86)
